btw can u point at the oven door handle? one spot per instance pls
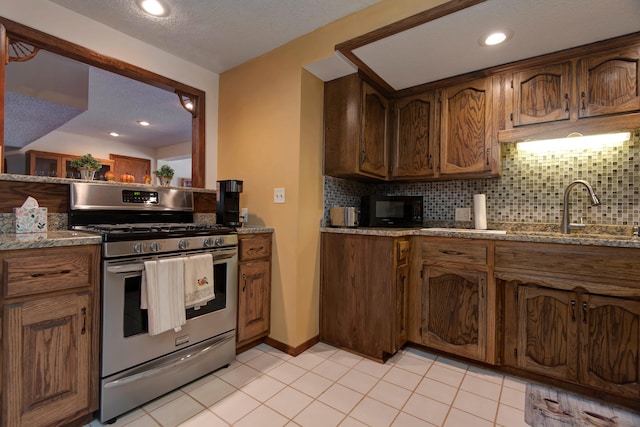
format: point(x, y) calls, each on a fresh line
point(224, 254)
point(126, 268)
point(170, 365)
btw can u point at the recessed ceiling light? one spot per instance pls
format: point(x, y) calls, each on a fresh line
point(154, 7)
point(495, 38)
point(114, 134)
point(143, 123)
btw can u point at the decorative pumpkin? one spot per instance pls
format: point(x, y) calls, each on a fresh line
point(127, 177)
point(147, 179)
point(109, 176)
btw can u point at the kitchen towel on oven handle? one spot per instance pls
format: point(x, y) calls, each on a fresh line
point(198, 280)
point(163, 294)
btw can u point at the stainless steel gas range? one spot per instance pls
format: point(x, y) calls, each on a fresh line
point(148, 224)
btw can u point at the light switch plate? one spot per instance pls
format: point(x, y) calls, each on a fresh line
point(463, 214)
point(278, 195)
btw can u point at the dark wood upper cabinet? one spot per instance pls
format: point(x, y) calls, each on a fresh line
point(356, 137)
point(541, 94)
point(467, 138)
point(609, 83)
point(414, 150)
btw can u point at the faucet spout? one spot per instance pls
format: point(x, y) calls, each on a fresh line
point(595, 201)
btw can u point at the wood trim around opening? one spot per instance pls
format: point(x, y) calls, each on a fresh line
point(82, 54)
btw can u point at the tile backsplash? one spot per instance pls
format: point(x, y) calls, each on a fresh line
point(530, 188)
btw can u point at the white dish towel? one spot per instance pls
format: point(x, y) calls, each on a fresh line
point(198, 280)
point(163, 294)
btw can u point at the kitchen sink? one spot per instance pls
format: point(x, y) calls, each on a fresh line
point(465, 230)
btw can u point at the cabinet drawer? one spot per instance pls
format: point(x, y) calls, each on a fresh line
point(26, 275)
point(454, 251)
point(254, 246)
point(600, 263)
point(402, 251)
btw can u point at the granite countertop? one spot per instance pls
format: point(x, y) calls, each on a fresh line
point(250, 229)
point(10, 241)
point(515, 234)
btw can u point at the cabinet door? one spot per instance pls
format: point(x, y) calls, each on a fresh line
point(414, 137)
point(547, 331)
point(541, 94)
point(374, 146)
point(454, 315)
point(609, 83)
point(610, 344)
point(254, 303)
point(466, 129)
point(47, 354)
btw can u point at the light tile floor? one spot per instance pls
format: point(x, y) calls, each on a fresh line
point(327, 387)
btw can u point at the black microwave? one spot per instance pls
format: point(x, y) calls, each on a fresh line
point(391, 211)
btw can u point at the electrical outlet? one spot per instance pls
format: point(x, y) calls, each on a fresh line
point(463, 214)
point(278, 195)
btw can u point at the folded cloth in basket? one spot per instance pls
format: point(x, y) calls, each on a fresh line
point(163, 294)
point(198, 280)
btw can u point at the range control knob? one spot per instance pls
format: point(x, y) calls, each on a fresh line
point(183, 244)
point(154, 246)
point(219, 241)
point(138, 248)
point(207, 243)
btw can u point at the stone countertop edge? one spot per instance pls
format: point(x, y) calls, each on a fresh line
point(601, 240)
point(50, 239)
point(56, 180)
point(250, 229)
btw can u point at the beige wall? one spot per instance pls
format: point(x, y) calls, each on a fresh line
point(270, 135)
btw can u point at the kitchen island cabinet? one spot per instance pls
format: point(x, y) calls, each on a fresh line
point(363, 293)
point(254, 288)
point(50, 335)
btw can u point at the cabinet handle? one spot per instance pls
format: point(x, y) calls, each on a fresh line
point(244, 281)
point(51, 273)
point(447, 252)
point(584, 312)
point(84, 321)
point(573, 310)
point(566, 100)
point(430, 161)
point(488, 153)
point(582, 96)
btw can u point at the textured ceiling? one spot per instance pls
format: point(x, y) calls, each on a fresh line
point(218, 34)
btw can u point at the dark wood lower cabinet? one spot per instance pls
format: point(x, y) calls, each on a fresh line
point(588, 339)
point(50, 335)
point(362, 291)
point(254, 288)
point(454, 310)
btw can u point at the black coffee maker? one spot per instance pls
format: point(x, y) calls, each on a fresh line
point(228, 206)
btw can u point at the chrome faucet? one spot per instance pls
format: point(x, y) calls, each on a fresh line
point(564, 226)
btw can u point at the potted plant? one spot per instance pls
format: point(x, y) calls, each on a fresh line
point(87, 165)
point(164, 174)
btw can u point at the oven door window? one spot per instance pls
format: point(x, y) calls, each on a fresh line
point(135, 319)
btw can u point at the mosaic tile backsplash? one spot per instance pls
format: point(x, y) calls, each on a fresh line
point(530, 189)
